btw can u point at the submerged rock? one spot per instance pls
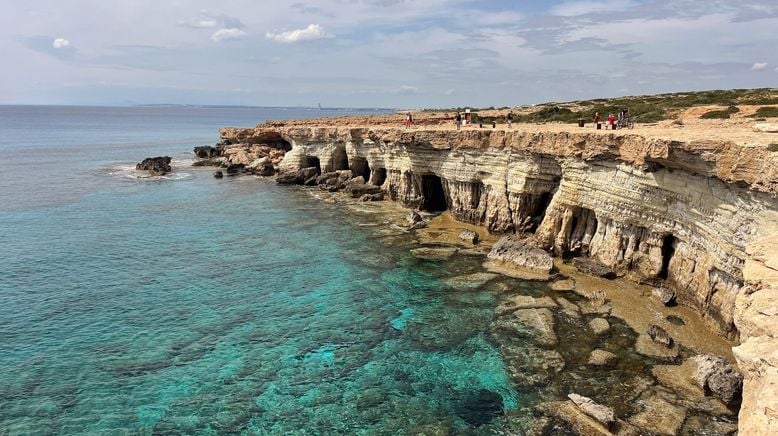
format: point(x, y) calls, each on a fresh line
point(469, 236)
point(156, 166)
point(541, 325)
point(580, 422)
point(591, 266)
point(530, 366)
point(599, 326)
point(603, 414)
point(427, 253)
point(481, 407)
point(563, 285)
point(517, 302)
point(218, 174)
point(601, 358)
point(521, 253)
point(659, 416)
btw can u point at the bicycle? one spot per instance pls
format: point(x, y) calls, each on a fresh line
point(625, 123)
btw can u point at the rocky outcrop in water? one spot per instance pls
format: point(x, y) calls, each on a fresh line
point(156, 166)
point(697, 217)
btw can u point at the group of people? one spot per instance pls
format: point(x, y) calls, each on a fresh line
point(508, 119)
point(623, 115)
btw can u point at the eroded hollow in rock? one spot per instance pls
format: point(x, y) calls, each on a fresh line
point(310, 161)
point(378, 177)
point(582, 227)
point(433, 193)
point(668, 250)
point(360, 167)
point(339, 159)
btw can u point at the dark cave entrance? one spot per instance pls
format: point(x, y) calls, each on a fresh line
point(538, 210)
point(432, 191)
point(311, 161)
point(360, 167)
point(339, 159)
point(669, 243)
point(379, 176)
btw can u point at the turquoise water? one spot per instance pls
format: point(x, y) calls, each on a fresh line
point(193, 305)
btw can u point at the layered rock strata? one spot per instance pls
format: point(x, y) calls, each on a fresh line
point(698, 217)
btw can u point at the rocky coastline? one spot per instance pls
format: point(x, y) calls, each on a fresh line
point(696, 221)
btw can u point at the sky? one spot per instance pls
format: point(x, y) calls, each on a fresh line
point(379, 53)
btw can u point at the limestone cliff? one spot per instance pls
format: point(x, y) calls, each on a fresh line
point(698, 216)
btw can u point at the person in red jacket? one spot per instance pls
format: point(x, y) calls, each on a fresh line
point(596, 120)
point(612, 121)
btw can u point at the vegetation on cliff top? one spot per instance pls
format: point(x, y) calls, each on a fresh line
point(649, 108)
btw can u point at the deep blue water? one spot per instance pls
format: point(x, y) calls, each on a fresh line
point(192, 305)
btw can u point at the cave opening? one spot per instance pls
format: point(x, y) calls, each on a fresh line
point(311, 161)
point(669, 243)
point(539, 204)
point(339, 159)
point(360, 167)
point(379, 176)
point(433, 193)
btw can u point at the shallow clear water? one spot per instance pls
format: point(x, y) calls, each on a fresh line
point(189, 304)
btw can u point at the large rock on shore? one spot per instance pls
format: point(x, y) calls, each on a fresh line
point(601, 413)
point(304, 176)
point(156, 166)
point(591, 266)
point(521, 253)
point(207, 152)
point(717, 376)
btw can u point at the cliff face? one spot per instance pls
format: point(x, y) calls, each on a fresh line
point(700, 217)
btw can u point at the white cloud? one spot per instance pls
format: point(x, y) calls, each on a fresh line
point(407, 89)
point(450, 91)
point(207, 20)
point(759, 66)
point(310, 33)
point(576, 8)
point(227, 34)
point(60, 43)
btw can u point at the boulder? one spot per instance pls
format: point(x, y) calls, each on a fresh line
point(603, 414)
point(378, 196)
point(415, 221)
point(207, 152)
point(156, 166)
point(659, 335)
point(261, 167)
point(427, 253)
point(717, 376)
point(600, 326)
point(664, 295)
point(300, 177)
point(359, 190)
point(591, 266)
point(601, 358)
point(647, 347)
point(521, 253)
point(235, 169)
point(766, 128)
point(659, 416)
point(218, 174)
point(469, 236)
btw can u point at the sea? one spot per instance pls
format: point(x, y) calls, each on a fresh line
point(183, 304)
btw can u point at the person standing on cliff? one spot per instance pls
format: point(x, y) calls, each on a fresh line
point(408, 120)
point(510, 119)
point(458, 120)
point(596, 120)
point(612, 121)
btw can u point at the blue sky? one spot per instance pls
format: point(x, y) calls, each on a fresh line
point(388, 53)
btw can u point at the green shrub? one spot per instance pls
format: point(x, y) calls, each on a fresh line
point(720, 115)
point(766, 112)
